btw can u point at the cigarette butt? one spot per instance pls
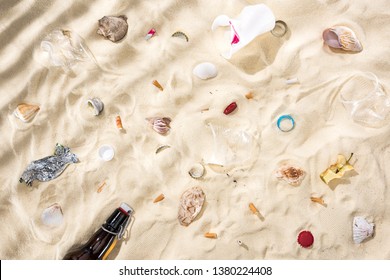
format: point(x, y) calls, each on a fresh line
point(210, 235)
point(318, 200)
point(249, 95)
point(118, 122)
point(101, 187)
point(159, 198)
point(157, 85)
point(253, 208)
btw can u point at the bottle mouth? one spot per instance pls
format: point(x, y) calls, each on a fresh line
point(126, 209)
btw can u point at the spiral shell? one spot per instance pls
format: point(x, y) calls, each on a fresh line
point(341, 37)
point(160, 125)
point(96, 104)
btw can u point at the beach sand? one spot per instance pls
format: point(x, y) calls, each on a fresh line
point(137, 175)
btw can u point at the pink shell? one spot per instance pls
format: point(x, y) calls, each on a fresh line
point(341, 37)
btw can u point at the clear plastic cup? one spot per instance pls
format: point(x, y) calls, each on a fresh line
point(365, 100)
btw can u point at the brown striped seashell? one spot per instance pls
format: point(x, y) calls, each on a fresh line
point(191, 203)
point(160, 125)
point(26, 112)
point(114, 28)
point(341, 37)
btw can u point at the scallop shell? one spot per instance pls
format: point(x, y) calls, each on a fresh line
point(196, 171)
point(114, 28)
point(160, 125)
point(96, 104)
point(26, 112)
point(205, 70)
point(52, 216)
point(341, 37)
point(191, 203)
point(290, 174)
point(362, 229)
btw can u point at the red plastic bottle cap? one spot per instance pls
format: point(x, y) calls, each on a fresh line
point(305, 239)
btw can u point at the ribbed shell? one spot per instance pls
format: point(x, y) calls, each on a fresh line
point(26, 112)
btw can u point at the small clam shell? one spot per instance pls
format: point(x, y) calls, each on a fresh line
point(362, 229)
point(341, 37)
point(114, 28)
point(290, 174)
point(205, 70)
point(191, 203)
point(160, 125)
point(26, 112)
point(96, 104)
point(52, 216)
point(181, 35)
point(196, 171)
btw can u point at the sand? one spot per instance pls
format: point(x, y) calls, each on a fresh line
point(137, 175)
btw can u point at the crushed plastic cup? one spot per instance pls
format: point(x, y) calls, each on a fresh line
point(365, 100)
point(64, 49)
point(253, 21)
point(233, 147)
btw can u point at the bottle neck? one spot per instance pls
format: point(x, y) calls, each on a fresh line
point(117, 223)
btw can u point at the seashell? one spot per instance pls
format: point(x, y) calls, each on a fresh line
point(341, 37)
point(180, 34)
point(96, 104)
point(191, 203)
point(52, 216)
point(249, 95)
point(196, 171)
point(160, 125)
point(290, 174)
point(361, 229)
point(114, 28)
point(205, 70)
point(26, 112)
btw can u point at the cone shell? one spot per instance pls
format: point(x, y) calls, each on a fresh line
point(341, 37)
point(191, 203)
point(52, 216)
point(362, 229)
point(26, 112)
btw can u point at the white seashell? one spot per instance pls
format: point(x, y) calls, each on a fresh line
point(191, 203)
point(341, 37)
point(96, 104)
point(160, 125)
point(52, 216)
point(106, 152)
point(26, 112)
point(361, 229)
point(196, 171)
point(205, 70)
point(290, 174)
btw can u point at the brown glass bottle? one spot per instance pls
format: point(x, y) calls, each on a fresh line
point(103, 241)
